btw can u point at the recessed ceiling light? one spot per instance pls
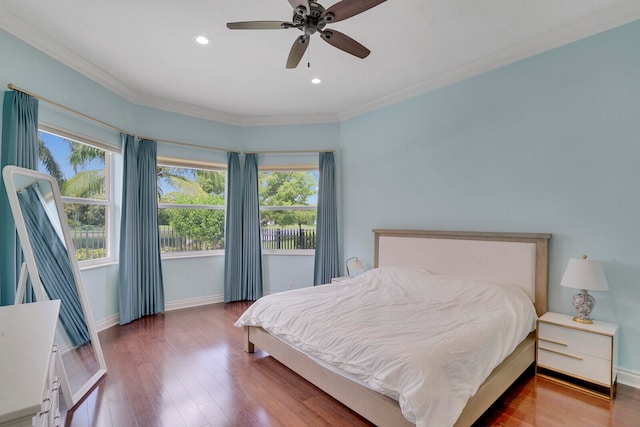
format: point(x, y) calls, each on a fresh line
point(316, 81)
point(201, 40)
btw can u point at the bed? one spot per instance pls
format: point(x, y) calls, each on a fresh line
point(482, 258)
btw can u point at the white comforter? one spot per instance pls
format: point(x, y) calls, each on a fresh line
point(425, 340)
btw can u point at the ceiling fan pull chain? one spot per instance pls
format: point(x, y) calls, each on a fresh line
point(309, 57)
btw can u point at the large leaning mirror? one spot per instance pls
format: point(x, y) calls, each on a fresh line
point(51, 265)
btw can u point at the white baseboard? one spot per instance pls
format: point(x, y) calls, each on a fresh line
point(108, 322)
point(629, 378)
point(174, 305)
point(193, 302)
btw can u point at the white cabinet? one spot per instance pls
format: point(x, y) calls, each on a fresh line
point(583, 356)
point(29, 387)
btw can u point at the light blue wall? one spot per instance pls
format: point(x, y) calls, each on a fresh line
point(549, 144)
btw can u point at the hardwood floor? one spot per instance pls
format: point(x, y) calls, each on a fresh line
point(188, 368)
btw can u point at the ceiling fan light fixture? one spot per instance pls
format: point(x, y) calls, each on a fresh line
point(201, 40)
point(316, 81)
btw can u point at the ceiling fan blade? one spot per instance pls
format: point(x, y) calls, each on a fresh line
point(297, 51)
point(258, 25)
point(347, 8)
point(296, 3)
point(344, 42)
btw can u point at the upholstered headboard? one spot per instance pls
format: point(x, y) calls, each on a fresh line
point(517, 258)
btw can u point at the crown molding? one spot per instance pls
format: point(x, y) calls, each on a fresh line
point(615, 16)
point(619, 14)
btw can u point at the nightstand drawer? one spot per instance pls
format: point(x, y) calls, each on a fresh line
point(579, 365)
point(567, 340)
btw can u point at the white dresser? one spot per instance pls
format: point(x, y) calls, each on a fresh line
point(581, 355)
point(29, 387)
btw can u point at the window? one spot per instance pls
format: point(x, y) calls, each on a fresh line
point(190, 209)
point(81, 170)
point(288, 202)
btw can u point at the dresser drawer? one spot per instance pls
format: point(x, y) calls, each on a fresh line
point(567, 340)
point(578, 365)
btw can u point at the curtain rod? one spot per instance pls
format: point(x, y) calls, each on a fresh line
point(63, 107)
point(185, 144)
point(103, 123)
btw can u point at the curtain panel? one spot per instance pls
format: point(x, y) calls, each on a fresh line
point(140, 284)
point(19, 148)
point(327, 261)
point(243, 248)
point(233, 231)
point(251, 245)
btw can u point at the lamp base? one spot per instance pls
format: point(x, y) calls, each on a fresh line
point(579, 320)
point(583, 303)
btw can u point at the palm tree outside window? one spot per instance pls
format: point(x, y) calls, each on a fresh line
point(81, 172)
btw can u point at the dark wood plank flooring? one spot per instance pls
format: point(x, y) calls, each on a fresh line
point(188, 368)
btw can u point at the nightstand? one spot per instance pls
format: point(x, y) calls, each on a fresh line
point(340, 279)
point(582, 356)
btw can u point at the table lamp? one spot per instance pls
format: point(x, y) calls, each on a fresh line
point(355, 263)
point(586, 275)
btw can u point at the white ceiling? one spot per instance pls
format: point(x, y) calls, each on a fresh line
point(143, 50)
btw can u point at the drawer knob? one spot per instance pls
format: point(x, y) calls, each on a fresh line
point(47, 404)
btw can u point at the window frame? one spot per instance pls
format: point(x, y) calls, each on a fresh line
point(193, 164)
point(107, 202)
point(288, 168)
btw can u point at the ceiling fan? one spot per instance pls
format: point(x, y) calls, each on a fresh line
point(310, 17)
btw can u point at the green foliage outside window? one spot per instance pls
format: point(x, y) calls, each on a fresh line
point(286, 189)
point(205, 225)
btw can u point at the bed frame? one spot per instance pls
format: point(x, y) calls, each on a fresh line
point(504, 257)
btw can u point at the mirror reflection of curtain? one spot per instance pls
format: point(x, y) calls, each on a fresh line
point(140, 284)
point(233, 231)
point(251, 244)
point(327, 261)
point(54, 267)
point(19, 148)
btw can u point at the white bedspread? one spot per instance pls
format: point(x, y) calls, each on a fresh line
point(425, 340)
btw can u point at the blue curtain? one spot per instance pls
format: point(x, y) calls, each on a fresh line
point(327, 261)
point(52, 260)
point(141, 289)
point(20, 148)
point(251, 246)
point(233, 231)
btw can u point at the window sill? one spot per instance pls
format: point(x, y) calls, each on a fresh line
point(289, 252)
point(199, 254)
point(93, 264)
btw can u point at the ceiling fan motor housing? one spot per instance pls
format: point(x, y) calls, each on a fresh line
point(314, 21)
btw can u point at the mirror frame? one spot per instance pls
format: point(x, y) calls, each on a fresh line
point(9, 172)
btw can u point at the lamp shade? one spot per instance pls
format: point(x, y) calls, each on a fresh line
point(357, 264)
point(585, 274)
point(353, 262)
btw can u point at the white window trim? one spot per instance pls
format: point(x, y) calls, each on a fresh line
point(109, 150)
point(289, 168)
point(289, 252)
point(191, 164)
point(289, 208)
